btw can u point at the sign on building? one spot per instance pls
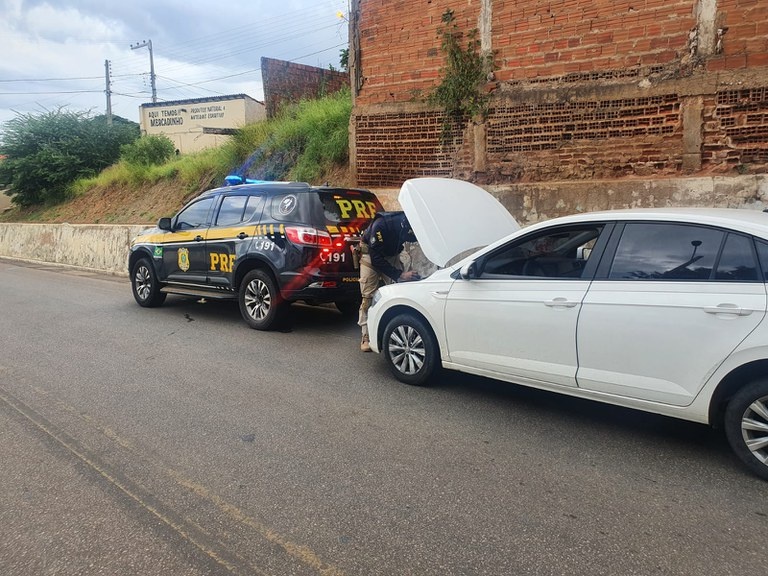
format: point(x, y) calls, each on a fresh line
point(200, 123)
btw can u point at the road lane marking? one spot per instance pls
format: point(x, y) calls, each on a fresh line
point(187, 529)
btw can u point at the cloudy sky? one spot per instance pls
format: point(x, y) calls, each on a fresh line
point(54, 51)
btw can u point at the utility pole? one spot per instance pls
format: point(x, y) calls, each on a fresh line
point(148, 44)
point(108, 92)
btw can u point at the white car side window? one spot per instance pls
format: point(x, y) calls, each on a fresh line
point(665, 251)
point(560, 253)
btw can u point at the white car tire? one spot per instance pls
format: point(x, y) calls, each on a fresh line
point(746, 426)
point(411, 350)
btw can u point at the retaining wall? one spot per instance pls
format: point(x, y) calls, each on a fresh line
point(93, 246)
point(105, 248)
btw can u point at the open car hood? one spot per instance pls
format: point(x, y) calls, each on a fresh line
point(450, 216)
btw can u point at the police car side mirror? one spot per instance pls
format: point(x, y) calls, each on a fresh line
point(468, 271)
point(164, 224)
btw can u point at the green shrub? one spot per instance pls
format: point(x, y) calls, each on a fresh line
point(45, 153)
point(151, 150)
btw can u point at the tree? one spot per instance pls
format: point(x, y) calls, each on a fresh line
point(45, 153)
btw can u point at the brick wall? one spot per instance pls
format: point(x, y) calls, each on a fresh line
point(286, 82)
point(583, 89)
point(744, 36)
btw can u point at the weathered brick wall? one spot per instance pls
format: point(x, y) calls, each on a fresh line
point(585, 40)
point(583, 89)
point(744, 35)
point(534, 40)
point(286, 82)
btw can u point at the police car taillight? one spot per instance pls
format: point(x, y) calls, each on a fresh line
point(308, 236)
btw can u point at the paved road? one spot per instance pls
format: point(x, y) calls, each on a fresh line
point(178, 441)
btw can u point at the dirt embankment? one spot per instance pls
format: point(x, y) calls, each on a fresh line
point(129, 205)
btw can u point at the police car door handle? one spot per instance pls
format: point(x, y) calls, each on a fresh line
point(198, 238)
point(242, 235)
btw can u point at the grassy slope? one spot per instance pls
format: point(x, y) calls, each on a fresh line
point(309, 142)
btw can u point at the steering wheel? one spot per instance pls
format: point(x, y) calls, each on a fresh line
point(532, 267)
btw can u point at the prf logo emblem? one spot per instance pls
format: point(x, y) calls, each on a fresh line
point(287, 205)
point(184, 259)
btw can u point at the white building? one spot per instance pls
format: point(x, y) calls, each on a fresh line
point(200, 122)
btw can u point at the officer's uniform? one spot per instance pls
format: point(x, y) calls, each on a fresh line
point(380, 261)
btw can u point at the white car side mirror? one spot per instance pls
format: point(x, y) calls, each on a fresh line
point(467, 271)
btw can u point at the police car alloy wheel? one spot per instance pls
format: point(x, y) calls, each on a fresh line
point(410, 350)
point(746, 426)
point(146, 288)
point(259, 300)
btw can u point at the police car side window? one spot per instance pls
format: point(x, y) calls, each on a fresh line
point(195, 215)
point(253, 208)
point(231, 211)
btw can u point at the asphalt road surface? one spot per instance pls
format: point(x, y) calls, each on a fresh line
point(177, 441)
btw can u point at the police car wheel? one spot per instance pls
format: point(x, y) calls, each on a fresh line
point(746, 426)
point(259, 299)
point(410, 349)
point(348, 308)
point(146, 288)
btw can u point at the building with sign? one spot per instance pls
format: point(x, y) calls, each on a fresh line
point(200, 123)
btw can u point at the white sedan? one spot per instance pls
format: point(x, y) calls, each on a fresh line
point(660, 310)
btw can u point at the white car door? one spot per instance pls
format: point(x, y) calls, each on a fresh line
point(516, 318)
point(673, 303)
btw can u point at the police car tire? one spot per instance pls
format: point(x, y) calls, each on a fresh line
point(145, 286)
point(348, 308)
point(411, 332)
point(745, 419)
point(260, 302)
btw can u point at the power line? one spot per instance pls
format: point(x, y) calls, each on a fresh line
point(55, 92)
point(51, 79)
point(201, 52)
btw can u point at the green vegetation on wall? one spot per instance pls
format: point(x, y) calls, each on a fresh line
point(460, 92)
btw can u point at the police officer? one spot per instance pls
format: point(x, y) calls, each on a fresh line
point(380, 249)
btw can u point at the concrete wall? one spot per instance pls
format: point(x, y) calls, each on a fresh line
point(105, 248)
point(536, 201)
point(91, 246)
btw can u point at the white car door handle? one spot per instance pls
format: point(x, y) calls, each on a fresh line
point(560, 303)
point(730, 309)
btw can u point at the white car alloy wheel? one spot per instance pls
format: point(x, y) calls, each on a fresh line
point(746, 426)
point(410, 349)
point(754, 428)
point(406, 350)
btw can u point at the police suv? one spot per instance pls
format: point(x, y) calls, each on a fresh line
point(266, 244)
